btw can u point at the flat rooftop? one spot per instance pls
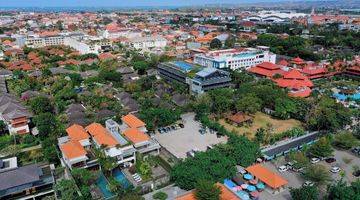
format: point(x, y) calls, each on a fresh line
point(179, 142)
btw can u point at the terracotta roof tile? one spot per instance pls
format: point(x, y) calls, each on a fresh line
point(132, 121)
point(136, 136)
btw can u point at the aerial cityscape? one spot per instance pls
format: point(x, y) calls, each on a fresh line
point(180, 100)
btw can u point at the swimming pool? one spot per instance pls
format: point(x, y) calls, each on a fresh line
point(186, 67)
point(102, 183)
point(103, 186)
point(343, 97)
point(121, 178)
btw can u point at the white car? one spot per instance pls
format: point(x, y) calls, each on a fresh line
point(314, 160)
point(308, 183)
point(282, 168)
point(335, 169)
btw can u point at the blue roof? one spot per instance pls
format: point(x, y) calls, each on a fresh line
point(343, 97)
point(184, 66)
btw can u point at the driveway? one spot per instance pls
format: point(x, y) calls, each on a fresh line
point(171, 190)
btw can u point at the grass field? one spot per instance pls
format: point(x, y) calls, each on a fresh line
point(261, 120)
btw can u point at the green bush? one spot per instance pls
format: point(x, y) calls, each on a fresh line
point(160, 196)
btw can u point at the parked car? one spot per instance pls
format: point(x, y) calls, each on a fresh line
point(282, 168)
point(289, 165)
point(355, 150)
point(335, 169)
point(356, 173)
point(330, 160)
point(173, 127)
point(168, 129)
point(314, 160)
point(181, 125)
point(308, 183)
point(298, 169)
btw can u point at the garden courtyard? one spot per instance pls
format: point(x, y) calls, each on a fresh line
point(262, 120)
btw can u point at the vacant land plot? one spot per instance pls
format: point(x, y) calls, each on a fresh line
point(262, 120)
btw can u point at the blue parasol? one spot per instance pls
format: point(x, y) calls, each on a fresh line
point(248, 176)
point(260, 186)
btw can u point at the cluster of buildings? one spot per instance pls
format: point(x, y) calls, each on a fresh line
point(120, 142)
point(12, 112)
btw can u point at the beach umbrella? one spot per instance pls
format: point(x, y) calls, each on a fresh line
point(255, 194)
point(243, 195)
point(244, 186)
point(260, 186)
point(253, 181)
point(248, 176)
point(251, 188)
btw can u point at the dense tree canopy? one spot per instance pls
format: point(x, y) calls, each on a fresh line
point(215, 44)
point(327, 114)
point(211, 165)
point(304, 193)
point(207, 190)
point(321, 148)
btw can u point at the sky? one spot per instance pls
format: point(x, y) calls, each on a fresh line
point(117, 3)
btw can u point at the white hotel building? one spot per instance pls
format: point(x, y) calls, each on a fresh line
point(235, 59)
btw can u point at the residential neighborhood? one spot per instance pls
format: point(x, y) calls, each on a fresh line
point(165, 100)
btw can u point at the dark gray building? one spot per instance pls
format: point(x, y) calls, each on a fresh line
point(209, 79)
point(25, 181)
point(198, 78)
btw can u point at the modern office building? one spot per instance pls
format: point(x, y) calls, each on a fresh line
point(198, 78)
point(235, 59)
point(209, 79)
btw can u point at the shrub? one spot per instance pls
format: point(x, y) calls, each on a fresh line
point(160, 196)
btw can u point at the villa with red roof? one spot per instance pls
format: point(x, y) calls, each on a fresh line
point(74, 147)
point(135, 131)
point(298, 84)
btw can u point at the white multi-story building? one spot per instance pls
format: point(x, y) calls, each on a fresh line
point(126, 33)
point(235, 59)
point(146, 43)
point(36, 41)
point(88, 44)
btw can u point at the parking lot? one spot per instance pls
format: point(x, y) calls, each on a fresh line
point(345, 160)
point(182, 140)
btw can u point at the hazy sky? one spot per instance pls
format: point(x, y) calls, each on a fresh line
point(117, 3)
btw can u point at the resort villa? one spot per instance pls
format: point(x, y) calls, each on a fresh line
point(135, 131)
point(117, 141)
point(291, 78)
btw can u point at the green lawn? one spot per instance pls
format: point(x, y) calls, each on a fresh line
point(261, 120)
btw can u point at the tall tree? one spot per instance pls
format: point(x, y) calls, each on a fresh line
point(321, 148)
point(207, 190)
point(215, 44)
point(304, 193)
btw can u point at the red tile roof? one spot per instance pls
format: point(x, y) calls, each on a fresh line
point(77, 132)
point(268, 177)
point(101, 135)
point(136, 136)
point(132, 121)
point(72, 149)
point(226, 194)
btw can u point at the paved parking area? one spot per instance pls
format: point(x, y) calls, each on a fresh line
point(294, 180)
point(182, 140)
point(344, 159)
